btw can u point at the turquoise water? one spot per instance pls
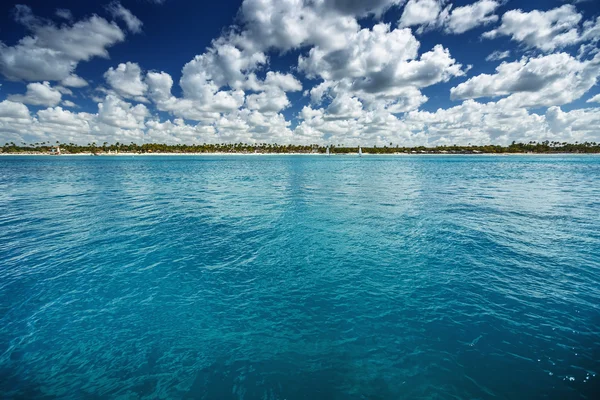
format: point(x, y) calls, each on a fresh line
point(300, 277)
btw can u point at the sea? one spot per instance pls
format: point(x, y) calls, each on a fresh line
point(300, 277)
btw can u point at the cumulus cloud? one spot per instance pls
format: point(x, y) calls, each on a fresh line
point(58, 118)
point(271, 100)
point(116, 120)
point(359, 65)
point(272, 96)
point(380, 67)
point(478, 123)
point(547, 30)
point(222, 65)
point(575, 125)
point(344, 121)
point(353, 126)
point(121, 114)
point(368, 51)
point(469, 122)
point(253, 127)
point(15, 121)
point(38, 94)
point(423, 13)
point(159, 86)
point(215, 82)
point(462, 19)
point(272, 91)
point(159, 91)
point(52, 52)
point(285, 82)
point(177, 131)
point(554, 79)
point(74, 81)
point(595, 99)
point(126, 80)
point(591, 31)
point(290, 24)
point(13, 110)
point(430, 14)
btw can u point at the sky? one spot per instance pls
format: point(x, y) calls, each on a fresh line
point(342, 72)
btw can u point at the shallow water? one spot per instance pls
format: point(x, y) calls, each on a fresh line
point(300, 277)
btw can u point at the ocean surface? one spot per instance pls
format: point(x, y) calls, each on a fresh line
point(300, 277)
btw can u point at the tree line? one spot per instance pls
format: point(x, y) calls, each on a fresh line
point(545, 147)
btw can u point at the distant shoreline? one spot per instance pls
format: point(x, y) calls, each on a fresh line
point(223, 149)
point(289, 154)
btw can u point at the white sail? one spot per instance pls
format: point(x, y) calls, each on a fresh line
point(359, 151)
point(327, 150)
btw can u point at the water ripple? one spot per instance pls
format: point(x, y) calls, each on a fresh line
point(297, 277)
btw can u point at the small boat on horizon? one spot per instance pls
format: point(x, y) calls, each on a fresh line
point(327, 151)
point(359, 151)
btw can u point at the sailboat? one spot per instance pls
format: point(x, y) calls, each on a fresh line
point(359, 151)
point(327, 151)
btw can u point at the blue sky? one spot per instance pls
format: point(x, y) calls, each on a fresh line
point(292, 71)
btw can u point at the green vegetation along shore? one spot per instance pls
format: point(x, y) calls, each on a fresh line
point(545, 147)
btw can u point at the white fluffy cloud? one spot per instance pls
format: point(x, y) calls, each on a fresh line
point(58, 119)
point(284, 82)
point(13, 110)
point(380, 67)
point(74, 81)
point(369, 51)
point(469, 122)
point(214, 82)
point(576, 125)
point(159, 86)
point(462, 19)
point(423, 13)
point(52, 52)
point(222, 65)
point(429, 14)
point(356, 65)
point(477, 123)
point(126, 80)
point(159, 91)
point(547, 30)
point(15, 121)
point(289, 24)
point(343, 122)
point(38, 94)
point(120, 114)
point(271, 100)
point(177, 131)
point(549, 80)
